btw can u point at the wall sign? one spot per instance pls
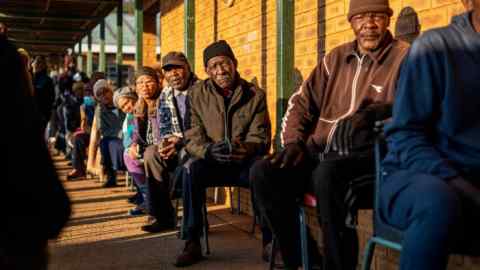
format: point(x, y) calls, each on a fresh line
point(228, 3)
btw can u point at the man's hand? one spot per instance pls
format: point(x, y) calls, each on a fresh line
point(219, 152)
point(168, 147)
point(364, 119)
point(465, 188)
point(291, 156)
point(239, 153)
point(342, 141)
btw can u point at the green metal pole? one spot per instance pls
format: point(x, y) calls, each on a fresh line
point(285, 55)
point(89, 54)
point(119, 41)
point(139, 34)
point(190, 32)
point(102, 57)
point(80, 57)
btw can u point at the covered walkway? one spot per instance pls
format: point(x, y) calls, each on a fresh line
point(100, 235)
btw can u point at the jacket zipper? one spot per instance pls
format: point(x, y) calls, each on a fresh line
point(350, 110)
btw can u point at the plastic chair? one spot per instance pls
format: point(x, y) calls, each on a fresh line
point(383, 234)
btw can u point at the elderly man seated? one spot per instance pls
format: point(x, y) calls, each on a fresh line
point(229, 130)
point(327, 136)
point(167, 153)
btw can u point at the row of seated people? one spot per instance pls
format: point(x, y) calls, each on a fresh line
point(215, 132)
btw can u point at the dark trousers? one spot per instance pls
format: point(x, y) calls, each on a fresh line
point(278, 191)
point(436, 219)
point(112, 156)
point(79, 152)
point(158, 175)
point(199, 174)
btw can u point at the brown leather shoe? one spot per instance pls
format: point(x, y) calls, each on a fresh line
point(191, 254)
point(75, 174)
point(267, 252)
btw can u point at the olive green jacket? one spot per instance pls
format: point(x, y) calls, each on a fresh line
point(245, 120)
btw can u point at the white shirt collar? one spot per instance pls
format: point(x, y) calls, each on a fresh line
point(177, 93)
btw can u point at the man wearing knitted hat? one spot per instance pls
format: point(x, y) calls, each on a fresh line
point(327, 137)
point(229, 129)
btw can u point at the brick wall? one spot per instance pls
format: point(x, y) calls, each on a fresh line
point(149, 39)
point(320, 25)
point(171, 26)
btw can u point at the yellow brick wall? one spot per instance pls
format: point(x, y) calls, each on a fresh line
point(249, 27)
point(149, 40)
point(172, 26)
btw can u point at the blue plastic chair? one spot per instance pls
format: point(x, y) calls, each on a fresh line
point(383, 234)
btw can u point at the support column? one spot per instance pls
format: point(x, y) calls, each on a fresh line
point(89, 55)
point(190, 32)
point(79, 56)
point(119, 41)
point(285, 54)
point(102, 59)
point(139, 34)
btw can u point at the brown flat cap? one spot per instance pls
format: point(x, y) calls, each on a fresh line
point(174, 59)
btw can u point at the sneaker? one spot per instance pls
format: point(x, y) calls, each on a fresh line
point(157, 227)
point(191, 254)
point(137, 211)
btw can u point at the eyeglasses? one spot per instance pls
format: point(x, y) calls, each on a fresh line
point(365, 17)
point(146, 82)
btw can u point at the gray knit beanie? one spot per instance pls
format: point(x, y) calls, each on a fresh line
point(124, 92)
point(99, 86)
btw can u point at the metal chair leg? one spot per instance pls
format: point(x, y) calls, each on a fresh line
point(176, 218)
point(205, 229)
point(273, 253)
point(238, 201)
point(304, 239)
point(368, 255)
point(254, 224)
point(232, 209)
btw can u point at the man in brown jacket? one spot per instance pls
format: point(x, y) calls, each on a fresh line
point(229, 129)
point(327, 136)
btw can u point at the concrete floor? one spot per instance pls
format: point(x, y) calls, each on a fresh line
point(100, 235)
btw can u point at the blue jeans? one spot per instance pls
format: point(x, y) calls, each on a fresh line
point(435, 218)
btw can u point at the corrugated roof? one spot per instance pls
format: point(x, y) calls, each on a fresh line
point(44, 26)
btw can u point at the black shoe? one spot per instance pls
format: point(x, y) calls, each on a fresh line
point(191, 254)
point(109, 184)
point(135, 199)
point(158, 227)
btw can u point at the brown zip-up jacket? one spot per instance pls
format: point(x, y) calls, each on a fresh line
point(244, 120)
point(341, 82)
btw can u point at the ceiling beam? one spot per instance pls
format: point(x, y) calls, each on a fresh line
point(44, 29)
point(89, 1)
point(22, 15)
point(44, 42)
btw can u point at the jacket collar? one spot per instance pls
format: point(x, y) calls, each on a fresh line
point(238, 91)
point(378, 55)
